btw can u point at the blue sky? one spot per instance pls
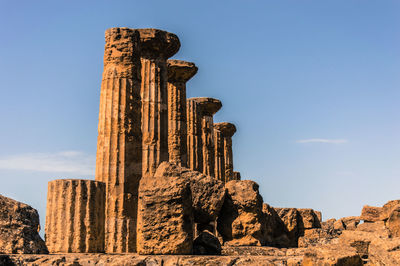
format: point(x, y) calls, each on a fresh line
point(312, 86)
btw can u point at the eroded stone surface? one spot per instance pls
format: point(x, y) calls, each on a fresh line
point(332, 255)
point(208, 195)
point(179, 72)
point(206, 108)
point(19, 228)
point(156, 46)
point(119, 141)
point(75, 216)
point(241, 221)
point(223, 141)
point(165, 215)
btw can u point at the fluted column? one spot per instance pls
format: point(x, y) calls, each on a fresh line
point(156, 46)
point(207, 108)
point(75, 216)
point(119, 142)
point(227, 130)
point(219, 155)
point(236, 176)
point(179, 72)
point(194, 142)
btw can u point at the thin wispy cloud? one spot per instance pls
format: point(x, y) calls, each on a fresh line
point(71, 162)
point(329, 141)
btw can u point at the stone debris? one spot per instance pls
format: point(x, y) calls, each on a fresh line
point(241, 220)
point(206, 243)
point(19, 228)
point(165, 184)
point(165, 215)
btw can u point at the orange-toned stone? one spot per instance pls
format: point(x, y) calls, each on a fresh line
point(206, 108)
point(227, 131)
point(75, 216)
point(119, 141)
point(179, 72)
point(156, 46)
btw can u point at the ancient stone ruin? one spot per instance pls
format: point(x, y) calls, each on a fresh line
point(165, 184)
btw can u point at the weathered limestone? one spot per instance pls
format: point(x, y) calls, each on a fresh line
point(19, 229)
point(241, 221)
point(194, 142)
point(225, 173)
point(297, 222)
point(219, 155)
point(165, 216)
point(179, 72)
point(133, 129)
point(236, 176)
point(156, 46)
point(119, 142)
point(206, 107)
point(75, 216)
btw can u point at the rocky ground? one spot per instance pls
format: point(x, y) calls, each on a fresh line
point(249, 232)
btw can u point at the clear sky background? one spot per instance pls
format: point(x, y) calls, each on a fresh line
point(312, 86)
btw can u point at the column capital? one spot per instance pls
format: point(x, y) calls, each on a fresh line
point(180, 71)
point(208, 105)
point(156, 43)
point(227, 129)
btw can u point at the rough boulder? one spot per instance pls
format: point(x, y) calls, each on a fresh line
point(241, 221)
point(19, 227)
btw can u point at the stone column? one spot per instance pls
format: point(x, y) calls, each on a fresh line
point(227, 130)
point(219, 155)
point(236, 176)
point(207, 108)
point(179, 72)
point(194, 142)
point(119, 142)
point(75, 216)
point(156, 46)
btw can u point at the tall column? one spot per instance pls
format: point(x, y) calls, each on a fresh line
point(207, 107)
point(75, 216)
point(119, 142)
point(179, 72)
point(227, 130)
point(219, 155)
point(194, 142)
point(156, 46)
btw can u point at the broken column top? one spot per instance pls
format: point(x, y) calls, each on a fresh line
point(179, 70)
point(208, 105)
point(158, 43)
point(153, 42)
point(227, 129)
point(121, 31)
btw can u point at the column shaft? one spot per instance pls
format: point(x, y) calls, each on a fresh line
point(177, 128)
point(208, 145)
point(219, 155)
point(119, 142)
point(75, 216)
point(228, 156)
point(194, 139)
point(154, 114)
